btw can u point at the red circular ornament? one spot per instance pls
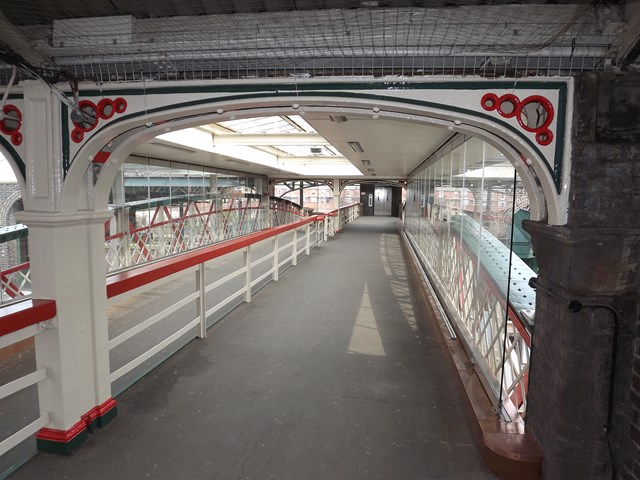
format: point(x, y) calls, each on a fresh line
point(16, 138)
point(106, 108)
point(14, 116)
point(508, 99)
point(120, 104)
point(90, 116)
point(545, 137)
point(489, 101)
point(548, 110)
point(77, 135)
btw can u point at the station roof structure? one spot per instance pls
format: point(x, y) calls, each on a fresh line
point(172, 40)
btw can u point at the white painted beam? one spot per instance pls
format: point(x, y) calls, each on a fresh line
point(266, 139)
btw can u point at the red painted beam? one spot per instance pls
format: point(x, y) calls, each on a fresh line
point(125, 281)
point(20, 315)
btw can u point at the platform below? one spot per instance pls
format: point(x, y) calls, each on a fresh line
point(329, 373)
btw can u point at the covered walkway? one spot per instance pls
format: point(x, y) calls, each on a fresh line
point(329, 373)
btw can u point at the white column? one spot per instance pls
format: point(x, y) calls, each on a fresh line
point(336, 193)
point(43, 148)
point(68, 266)
point(336, 201)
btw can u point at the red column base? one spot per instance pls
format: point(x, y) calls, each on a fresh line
point(65, 441)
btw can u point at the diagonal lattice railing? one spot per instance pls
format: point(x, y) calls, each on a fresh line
point(199, 224)
point(456, 257)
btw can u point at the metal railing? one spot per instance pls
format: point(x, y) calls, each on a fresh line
point(196, 224)
point(469, 273)
point(338, 218)
point(168, 233)
point(204, 285)
point(16, 282)
point(19, 324)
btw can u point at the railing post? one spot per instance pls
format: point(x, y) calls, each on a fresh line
point(294, 259)
point(202, 308)
point(247, 263)
point(326, 227)
point(276, 260)
point(308, 239)
point(317, 225)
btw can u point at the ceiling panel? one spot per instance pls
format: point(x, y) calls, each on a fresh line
point(394, 148)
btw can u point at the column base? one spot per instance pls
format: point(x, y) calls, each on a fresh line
point(63, 442)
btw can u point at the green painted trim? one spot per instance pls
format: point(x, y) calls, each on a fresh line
point(66, 151)
point(108, 417)
point(93, 425)
point(62, 448)
point(16, 158)
point(256, 91)
point(560, 131)
point(297, 87)
point(335, 94)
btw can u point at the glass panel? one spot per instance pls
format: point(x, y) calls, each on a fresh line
point(460, 217)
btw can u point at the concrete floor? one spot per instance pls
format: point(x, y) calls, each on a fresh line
point(327, 374)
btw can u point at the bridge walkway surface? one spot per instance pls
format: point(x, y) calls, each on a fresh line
point(330, 373)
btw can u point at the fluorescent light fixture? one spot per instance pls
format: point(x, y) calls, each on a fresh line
point(366, 162)
point(356, 147)
point(338, 118)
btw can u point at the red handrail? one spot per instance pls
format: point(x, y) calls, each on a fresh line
point(17, 316)
point(122, 282)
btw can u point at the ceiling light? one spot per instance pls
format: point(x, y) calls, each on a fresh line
point(338, 118)
point(356, 147)
point(370, 170)
point(366, 162)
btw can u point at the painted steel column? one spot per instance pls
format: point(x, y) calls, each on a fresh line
point(67, 257)
point(68, 266)
point(336, 199)
point(43, 148)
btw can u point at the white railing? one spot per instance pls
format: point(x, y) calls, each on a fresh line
point(336, 219)
point(152, 300)
point(188, 312)
point(475, 301)
point(21, 322)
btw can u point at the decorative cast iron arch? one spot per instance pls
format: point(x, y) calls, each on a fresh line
point(102, 154)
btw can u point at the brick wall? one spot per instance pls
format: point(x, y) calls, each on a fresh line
point(595, 259)
point(607, 194)
point(631, 468)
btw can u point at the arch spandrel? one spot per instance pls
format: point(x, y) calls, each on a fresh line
point(505, 113)
point(12, 132)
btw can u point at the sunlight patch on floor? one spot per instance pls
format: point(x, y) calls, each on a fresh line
point(365, 337)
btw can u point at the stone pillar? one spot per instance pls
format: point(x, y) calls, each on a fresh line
point(587, 308)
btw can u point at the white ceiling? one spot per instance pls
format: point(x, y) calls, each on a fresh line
point(394, 149)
